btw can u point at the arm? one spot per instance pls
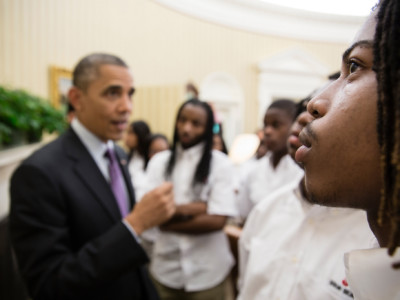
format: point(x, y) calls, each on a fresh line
point(198, 224)
point(191, 209)
point(192, 218)
point(57, 258)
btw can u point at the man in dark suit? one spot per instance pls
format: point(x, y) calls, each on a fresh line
point(71, 237)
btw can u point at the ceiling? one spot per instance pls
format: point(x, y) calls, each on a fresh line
point(270, 19)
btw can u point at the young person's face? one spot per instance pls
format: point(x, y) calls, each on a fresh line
point(104, 108)
point(293, 142)
point(157, 145)
point(341, 153)
point(217, 142)
point(191, 125)
point(131, 139)
point(277, 125)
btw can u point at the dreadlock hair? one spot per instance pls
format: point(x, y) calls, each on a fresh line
point(387, 68)
point(203, 167)
point(142, 131)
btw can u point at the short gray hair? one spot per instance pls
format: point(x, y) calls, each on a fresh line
point(87, 68)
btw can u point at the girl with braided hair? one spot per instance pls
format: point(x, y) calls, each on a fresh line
point(351, 150)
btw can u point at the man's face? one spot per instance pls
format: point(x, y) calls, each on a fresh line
point(104, 108)
point(191, 125)
point(341, 153)
point(277, 124)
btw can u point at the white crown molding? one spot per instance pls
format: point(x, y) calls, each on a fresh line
point(269, 19)
point(295, 61)
point(293, 73)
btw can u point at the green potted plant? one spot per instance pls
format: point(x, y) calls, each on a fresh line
point(24, 117)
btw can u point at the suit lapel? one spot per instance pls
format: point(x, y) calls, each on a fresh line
point(86, 168)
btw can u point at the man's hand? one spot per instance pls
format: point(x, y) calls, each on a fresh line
point(156, 207)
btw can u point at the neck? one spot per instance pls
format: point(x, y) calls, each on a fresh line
point(302, 187)
point(276, 157)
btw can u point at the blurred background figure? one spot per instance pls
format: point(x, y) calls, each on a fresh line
point(136, 142)
point(157, 142)
point(276, 168)
point(191, 91)
point(218, 139)
point(262, 148)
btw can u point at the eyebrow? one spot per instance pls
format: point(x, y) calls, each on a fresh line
point(367, 43)
point(118, 87)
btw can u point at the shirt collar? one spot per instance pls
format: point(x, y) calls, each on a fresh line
point(195, 150)
point(370, 273)
point(93, 144)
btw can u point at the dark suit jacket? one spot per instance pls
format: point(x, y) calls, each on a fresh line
point(66, 228)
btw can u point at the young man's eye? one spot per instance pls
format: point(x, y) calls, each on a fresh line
point(353, 66)
point(275, 125)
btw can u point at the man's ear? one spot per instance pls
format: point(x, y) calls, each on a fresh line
point(74, 96)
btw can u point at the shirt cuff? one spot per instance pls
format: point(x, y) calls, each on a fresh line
point(132, 231)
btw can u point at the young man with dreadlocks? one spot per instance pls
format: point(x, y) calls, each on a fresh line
point(191, 257)
point(348, 162)
point(292, 250)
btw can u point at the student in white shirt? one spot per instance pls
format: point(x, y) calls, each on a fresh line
point(276, 168)
point(290, 249)
point(136, 140)
point(191, 256)
point(351, 149)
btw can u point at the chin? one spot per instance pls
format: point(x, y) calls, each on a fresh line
point(322, 196)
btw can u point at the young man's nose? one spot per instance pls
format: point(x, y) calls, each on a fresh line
point(268, 130)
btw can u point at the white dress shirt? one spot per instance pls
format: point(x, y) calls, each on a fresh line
point(292, 250)
point(136, 169)
point(94, 145)
point(97, 149)
point(371, 276)
point(189, 261)
point(264, 179)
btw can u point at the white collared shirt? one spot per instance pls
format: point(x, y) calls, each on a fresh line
point(264, 179)
point(136, 169)
point(371, 276)
point(292, 250)
point(97, 149)
point(94, 145)
point(194, 262)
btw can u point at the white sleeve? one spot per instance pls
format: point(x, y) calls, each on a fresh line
point(154, 175)
point(220, 188)
point(244, 203)
point(244, 246)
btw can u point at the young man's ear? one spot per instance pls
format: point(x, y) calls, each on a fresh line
point(74, 96)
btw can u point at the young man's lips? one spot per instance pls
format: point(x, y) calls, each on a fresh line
point(303, 150)
point(301, 154)
point(304, 139)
